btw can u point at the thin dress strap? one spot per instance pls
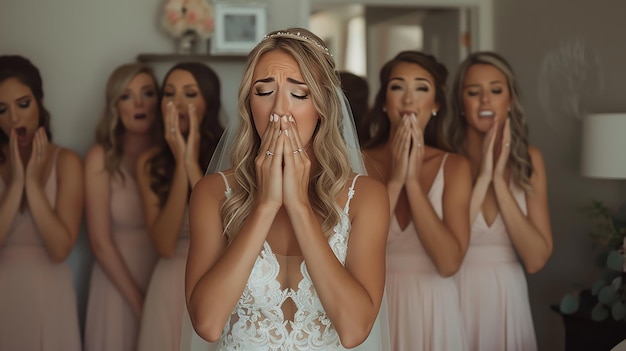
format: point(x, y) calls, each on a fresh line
point(443, 162)
point(229, 191)
point(346, 208)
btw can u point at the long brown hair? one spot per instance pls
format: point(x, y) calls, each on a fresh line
point(162, 164)
point(456, 129)
point(110, 129)
point(377, 120)
point(20, 68)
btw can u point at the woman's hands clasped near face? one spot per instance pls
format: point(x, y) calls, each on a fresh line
point(496, 150)
point(37, 162)
point(282, 164)
point(183, 150)
point(33, 173)
point(410, 103)
point(407, 148)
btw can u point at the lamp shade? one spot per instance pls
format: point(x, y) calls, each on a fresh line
point(604, 146)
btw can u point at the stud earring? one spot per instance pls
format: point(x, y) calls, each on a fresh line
point(384, 109)
point(434, 113)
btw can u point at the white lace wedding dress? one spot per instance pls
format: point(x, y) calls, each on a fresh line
point(270, 317)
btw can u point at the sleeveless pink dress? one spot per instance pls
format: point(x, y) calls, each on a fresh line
point(111, 323)
point(494, 295)
point(165, 301)
point(424, 312)
point(37, 297)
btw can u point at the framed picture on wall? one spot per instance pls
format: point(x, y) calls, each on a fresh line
point(238, 28)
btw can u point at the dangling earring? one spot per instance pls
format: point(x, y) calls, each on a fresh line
point(434, 114)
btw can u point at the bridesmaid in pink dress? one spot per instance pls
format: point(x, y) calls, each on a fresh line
point(124, 254)
point(189, 130)
point(429, 191)
point(508, 208)
point(41, 205)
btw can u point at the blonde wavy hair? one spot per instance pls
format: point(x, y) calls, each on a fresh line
point(332, 169)
point(519, 160)
point(110, 129)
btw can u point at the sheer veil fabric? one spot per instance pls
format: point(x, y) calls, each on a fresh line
point(378, 339)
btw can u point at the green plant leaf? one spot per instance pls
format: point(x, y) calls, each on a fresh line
point(618, 310)
point(617, 283)
point(569, 304)
point(607, 295)
point(599, 313)
point(615, 261)
point(595, 288)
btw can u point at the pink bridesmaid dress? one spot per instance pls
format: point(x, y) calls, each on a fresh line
point(111, 323)
point(494, 295)
point(424, 311)
point(163, 308)
point(37, 298)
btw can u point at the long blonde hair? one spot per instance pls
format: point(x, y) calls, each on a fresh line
point(330, 174)
point(519, 160)
point(110, 128)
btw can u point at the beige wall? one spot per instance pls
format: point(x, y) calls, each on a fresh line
point(570, 58)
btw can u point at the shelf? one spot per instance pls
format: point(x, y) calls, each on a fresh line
point(145, 58)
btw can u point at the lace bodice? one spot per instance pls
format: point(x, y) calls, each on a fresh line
point(259, 320)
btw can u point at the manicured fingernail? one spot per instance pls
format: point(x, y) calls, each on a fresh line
point(286, 132)
point(280, 132)
point(291, 119)
point(284, 118)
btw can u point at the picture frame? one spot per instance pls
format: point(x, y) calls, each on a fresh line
point(238, 28)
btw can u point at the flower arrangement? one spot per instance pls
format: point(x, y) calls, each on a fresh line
point(607, 296)
point(188, 17)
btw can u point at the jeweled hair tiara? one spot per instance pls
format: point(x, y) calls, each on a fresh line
point(297, 35)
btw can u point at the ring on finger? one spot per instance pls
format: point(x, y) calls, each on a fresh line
point(269, 153)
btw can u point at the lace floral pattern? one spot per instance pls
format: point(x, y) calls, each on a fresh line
point(258, 321)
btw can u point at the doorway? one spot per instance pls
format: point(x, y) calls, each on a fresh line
point(363, 36)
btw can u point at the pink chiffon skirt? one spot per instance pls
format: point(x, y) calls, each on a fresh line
point(37, 302)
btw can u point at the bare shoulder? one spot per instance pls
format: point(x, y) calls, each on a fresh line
point(213, 186)
point(372, 160)
point(69, 167)
point(95, 158)
point(68, 158)
point(96, 152)
point(456, 163)
point(368, 191)
point(535, 156)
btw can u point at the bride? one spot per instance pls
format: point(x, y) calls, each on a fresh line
point(288, 234)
